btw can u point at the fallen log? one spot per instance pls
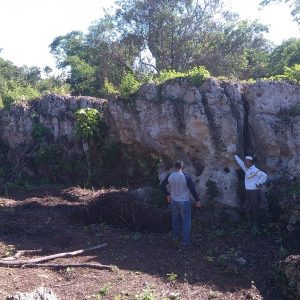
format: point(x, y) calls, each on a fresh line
point(37, 261)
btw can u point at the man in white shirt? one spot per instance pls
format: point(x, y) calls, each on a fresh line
point(254, 178)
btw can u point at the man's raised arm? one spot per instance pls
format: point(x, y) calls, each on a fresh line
point(240, 163)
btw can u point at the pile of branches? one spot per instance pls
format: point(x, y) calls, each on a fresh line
point(120, 208)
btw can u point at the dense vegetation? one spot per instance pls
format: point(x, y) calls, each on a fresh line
point(138, 41)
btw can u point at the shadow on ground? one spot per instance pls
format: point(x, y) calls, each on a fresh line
point(221, 264)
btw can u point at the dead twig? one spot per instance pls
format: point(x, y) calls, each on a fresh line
point(37, 261)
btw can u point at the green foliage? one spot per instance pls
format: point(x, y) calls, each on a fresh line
point(24, 83)
point(129, 85)
point(212, 190)
point(165, 75)
point(172, 277)
point(18, 93)
point(293, 73)
point(49, 154)
point(108, 89)
point(53, 85)
point(103, 291)
point(83, 76)
point(145, 295)
point(39, 131)
point(88, 120)
point(284, 55)
point(198, 74)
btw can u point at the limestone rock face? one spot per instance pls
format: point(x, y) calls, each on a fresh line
point(52, 112)
point(205, 126)
point(202, 126)
point(274, 126)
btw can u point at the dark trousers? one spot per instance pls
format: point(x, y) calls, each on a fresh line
point(252, 206)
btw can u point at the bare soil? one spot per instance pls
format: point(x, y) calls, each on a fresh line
point(227, 263)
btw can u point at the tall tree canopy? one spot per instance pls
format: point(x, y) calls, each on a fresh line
point(285, 55)
point(143, 36)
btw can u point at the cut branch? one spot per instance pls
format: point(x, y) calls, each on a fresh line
point(60, 266)
point(36, 261)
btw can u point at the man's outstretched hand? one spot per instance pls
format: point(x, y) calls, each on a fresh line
point(198, 204)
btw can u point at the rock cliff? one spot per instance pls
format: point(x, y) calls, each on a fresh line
point(205, 126)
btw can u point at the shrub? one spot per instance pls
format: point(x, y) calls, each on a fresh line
point(129, 84)
point(88, 120)
point(19, 93)
point(167, 75)
point(108, 89)
point(198, 74)
point(292, 73)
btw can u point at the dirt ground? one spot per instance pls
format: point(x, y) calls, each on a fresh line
point(225, 263)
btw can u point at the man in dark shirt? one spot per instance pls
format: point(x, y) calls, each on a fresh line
point(181, 186)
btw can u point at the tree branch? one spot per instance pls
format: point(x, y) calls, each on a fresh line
point(37, 261)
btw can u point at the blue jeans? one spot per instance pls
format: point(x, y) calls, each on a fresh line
point(181, 218)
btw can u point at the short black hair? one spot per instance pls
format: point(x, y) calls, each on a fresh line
point(179, 164)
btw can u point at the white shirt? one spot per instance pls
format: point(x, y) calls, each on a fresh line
point(253, 176)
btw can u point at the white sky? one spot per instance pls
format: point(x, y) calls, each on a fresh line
point(27, 27)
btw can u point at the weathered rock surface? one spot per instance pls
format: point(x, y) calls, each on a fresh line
point(40, 293)
point(274, 126)
point(205, 126)
point(53, 112)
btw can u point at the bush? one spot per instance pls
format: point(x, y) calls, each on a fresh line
point(19, 93)
point(167, 75)
point(108, 89)
point(129, 85)
point(292, 73)
point(198, 74)
point(88, 120)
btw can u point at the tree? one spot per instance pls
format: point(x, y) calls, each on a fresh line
point(169, 29)
point(88, 120)
point(285, 55)
point(176, 35)
point(63, 47)
point(238, 49)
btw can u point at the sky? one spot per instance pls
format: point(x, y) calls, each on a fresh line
point(27, 27)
